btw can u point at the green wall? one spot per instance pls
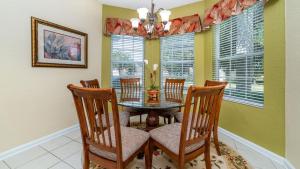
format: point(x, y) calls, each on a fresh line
point(263, 126)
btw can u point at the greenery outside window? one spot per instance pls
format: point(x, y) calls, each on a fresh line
point(127, 58)
point(177, 58)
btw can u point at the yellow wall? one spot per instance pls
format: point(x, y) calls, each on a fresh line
point(112, 12)
point(35, 102)
point(264, 126)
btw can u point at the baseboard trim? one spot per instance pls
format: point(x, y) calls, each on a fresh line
point(27, 146)
point(261, 150)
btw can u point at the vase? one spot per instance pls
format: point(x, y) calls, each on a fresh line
point(153, 94)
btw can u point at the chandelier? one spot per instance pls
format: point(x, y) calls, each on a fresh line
point(150, 18)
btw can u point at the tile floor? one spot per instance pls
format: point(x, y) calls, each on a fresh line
point(65, 153)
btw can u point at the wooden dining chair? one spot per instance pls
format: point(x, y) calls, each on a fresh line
point(90, 83)
point(216, 123)
point(185, 141)
point(124, 116)
point(131, 91)
point(179, 115)
point(173, 90)
point(111, 147)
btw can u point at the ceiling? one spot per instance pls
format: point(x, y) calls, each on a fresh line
point(134, 4)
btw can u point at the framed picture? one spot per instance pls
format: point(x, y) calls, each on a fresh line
point(57, 46)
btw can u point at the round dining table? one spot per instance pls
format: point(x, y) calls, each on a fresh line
point(143, 103)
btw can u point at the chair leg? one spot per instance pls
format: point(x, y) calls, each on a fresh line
point(176, 120)
point(169, 120)
point(86, 160)
point(128, 125)
point(151, 149)
point(140, 119)
point(207, 155)
point(165, 121)
point(147, 156)
point(181, 164)
point(216, 140)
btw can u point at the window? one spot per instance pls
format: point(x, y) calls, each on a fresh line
point(239, 56)
point(177, 58)
point(127, 58)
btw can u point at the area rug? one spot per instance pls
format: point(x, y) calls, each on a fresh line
point(229, 159)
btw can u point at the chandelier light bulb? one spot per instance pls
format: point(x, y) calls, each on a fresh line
point(165, 15)
point(167, 26)
point(135, 23)
point(143, 12)
point(149, 29)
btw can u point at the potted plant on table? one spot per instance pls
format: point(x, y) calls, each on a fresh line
point(153, 91)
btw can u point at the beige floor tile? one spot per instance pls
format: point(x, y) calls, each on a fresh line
point(24, 157)
point(67, 150)
point(43, 162)
point(56, 143)
point(75, 160)
point(79, 140)
point(74, 134)
point(61, 165)
point(3, 166)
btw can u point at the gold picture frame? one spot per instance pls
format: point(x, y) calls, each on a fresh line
point(53, 45)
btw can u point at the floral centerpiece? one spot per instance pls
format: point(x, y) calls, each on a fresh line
point(153, 90)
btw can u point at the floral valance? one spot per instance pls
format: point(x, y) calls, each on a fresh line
point(182, 25)
point(224, 9)
point(188, 24)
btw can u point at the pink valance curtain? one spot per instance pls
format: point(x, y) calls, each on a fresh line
point(224, 9)
point(181, 25)
point(116, 26)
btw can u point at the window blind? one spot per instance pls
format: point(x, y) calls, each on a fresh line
point(239, 56)
point(127, 58)
point(177, 58)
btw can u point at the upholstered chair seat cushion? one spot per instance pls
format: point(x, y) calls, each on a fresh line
point(132, 140)
point(123, 116)
point(169, 137)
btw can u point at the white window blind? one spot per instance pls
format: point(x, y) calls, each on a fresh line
point(127, 58)
point(177, 58)
point(239, 56)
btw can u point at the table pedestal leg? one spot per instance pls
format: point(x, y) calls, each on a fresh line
point(152, 120)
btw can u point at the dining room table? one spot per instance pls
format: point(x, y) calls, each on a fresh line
point(152, 106)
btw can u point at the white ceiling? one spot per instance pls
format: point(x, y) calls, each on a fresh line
point(134, 4)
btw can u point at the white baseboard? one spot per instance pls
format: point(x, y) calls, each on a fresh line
point(27, 146)
point(264, 152)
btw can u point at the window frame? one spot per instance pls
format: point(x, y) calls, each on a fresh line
point(217, 59)
point(188, 62)
point(112, 62)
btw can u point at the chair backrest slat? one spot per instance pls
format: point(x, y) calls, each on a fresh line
point(200, 108)
point(130, 89)
point(217, 83)
point(174, 90)
point(90, 83)
point(94, 131)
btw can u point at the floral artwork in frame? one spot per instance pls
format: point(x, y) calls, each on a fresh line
point(57, 46)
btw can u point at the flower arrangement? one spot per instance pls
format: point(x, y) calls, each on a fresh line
point(153, 74)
